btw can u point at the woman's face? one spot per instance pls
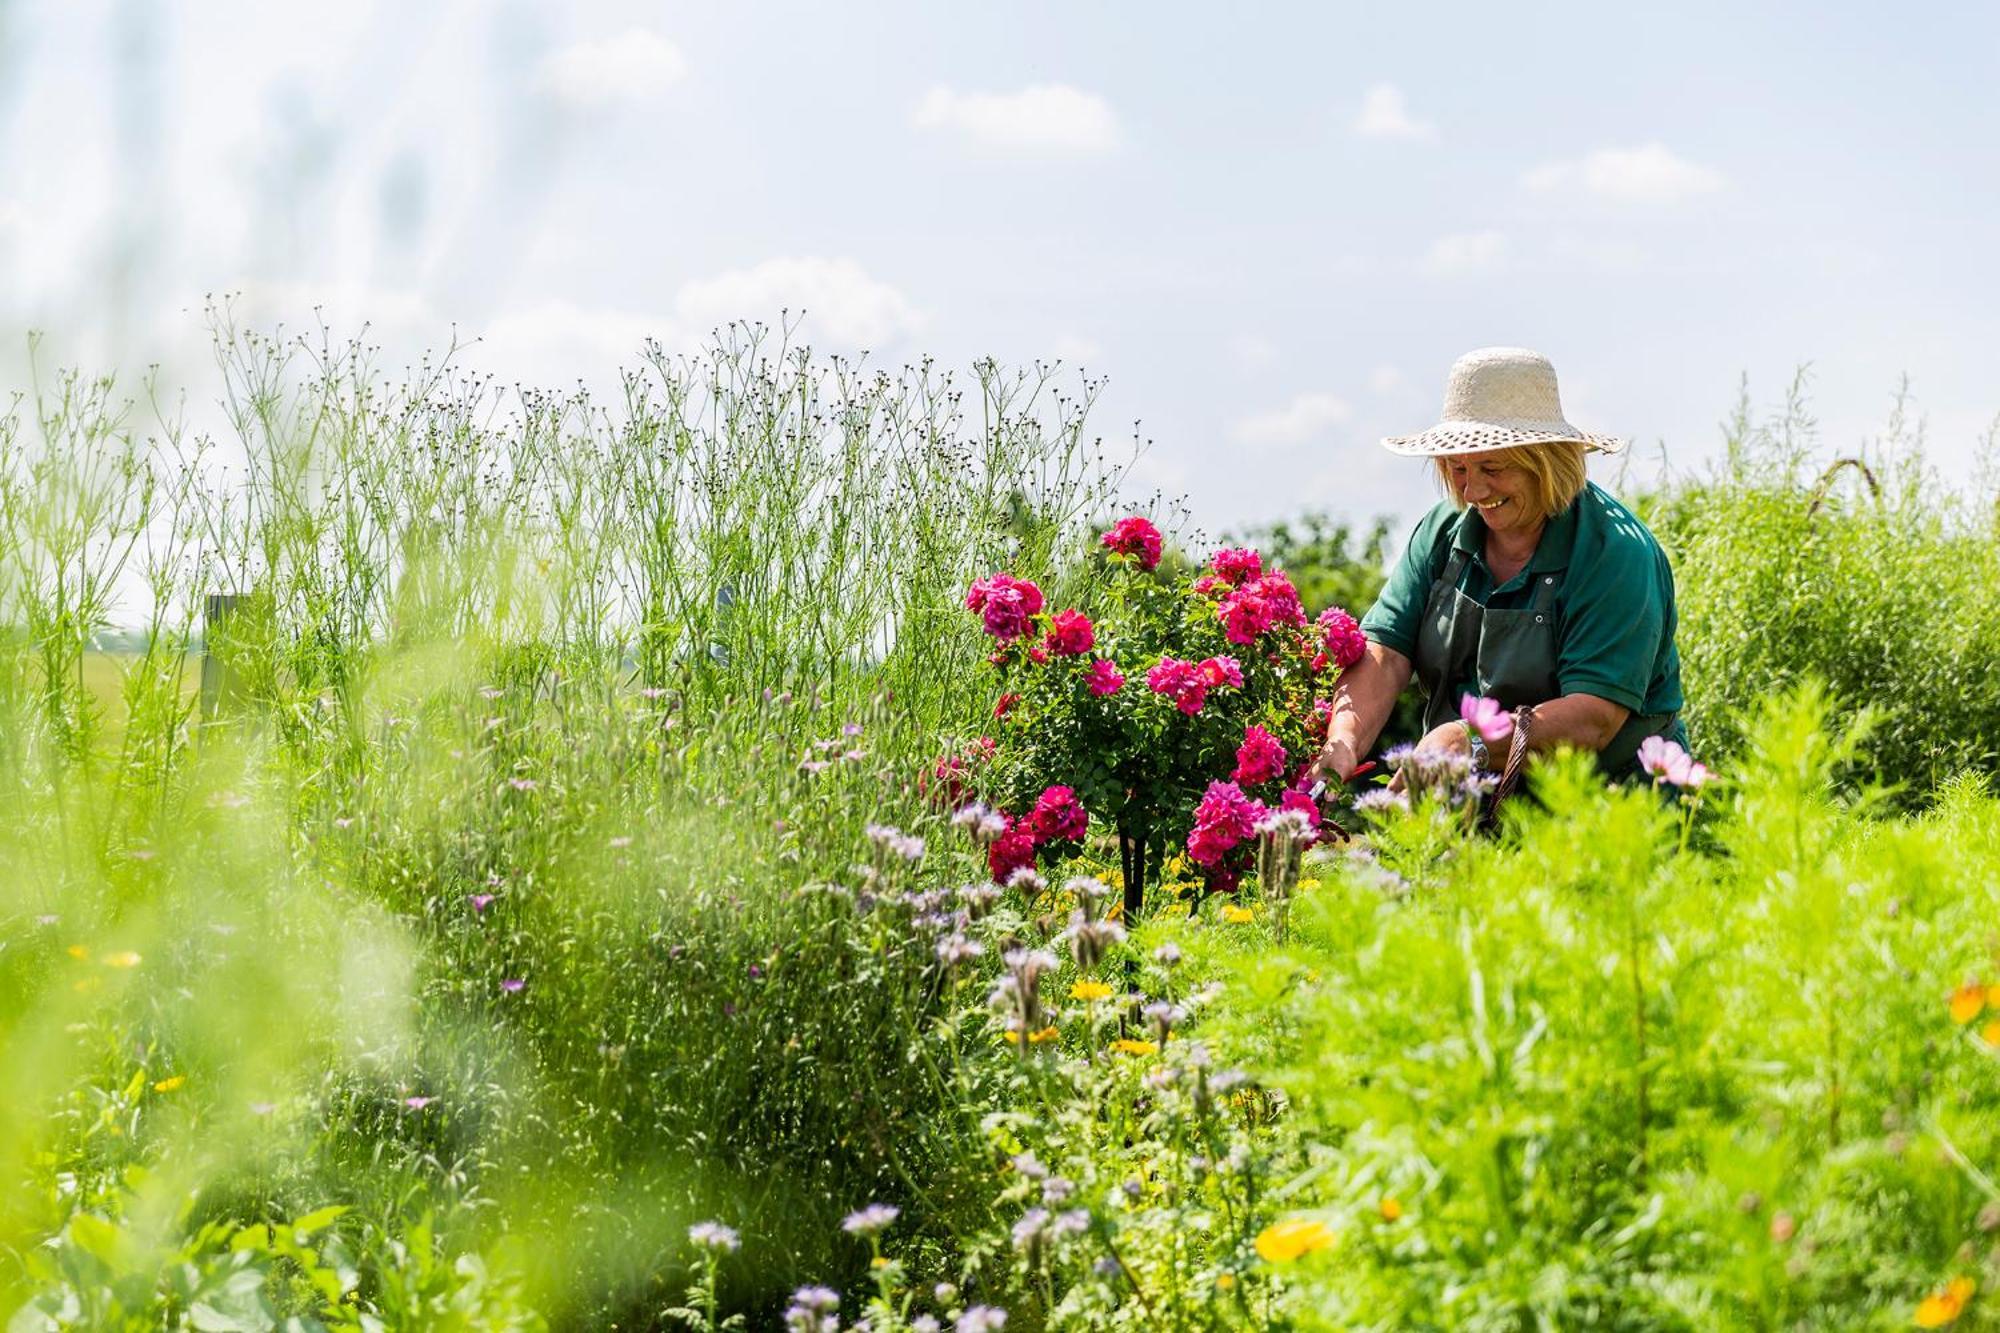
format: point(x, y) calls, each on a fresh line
point(1499, 488)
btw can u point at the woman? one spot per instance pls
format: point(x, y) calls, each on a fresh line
point(1529, 585)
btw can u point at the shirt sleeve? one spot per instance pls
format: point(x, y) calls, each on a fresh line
point(1615, 621)
point(1398, 612)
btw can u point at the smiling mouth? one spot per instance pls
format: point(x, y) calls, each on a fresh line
point(1488, 508)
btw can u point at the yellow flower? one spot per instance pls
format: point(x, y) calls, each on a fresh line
point(78, 952)
point(1282, 1242)
point(1132, 1046)
point(1237, 916)
point(1993, 997)
point(1090, 990)
point(169, 1084)
point(123, 958)
point(880, 1261)
point(1046, 1034)
point(1305, 885)
point(1942, 1307)
point(1392, 1208)
point(1990, 1034)
point(1966, 1002)
point(1226, 1281)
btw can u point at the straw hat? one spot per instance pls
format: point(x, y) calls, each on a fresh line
point(1496, 398)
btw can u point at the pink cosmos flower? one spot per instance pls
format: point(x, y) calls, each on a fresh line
point(1135, 537)
point(1259, 759)
point(513, 985)
point(1104, 677)
point(1487, 717)
point(1667, 762)
point(1341, 636)
point(418, 1103)
point(480, 901)
point(1058, 816)
point(1236, 564)
point(1071, 634)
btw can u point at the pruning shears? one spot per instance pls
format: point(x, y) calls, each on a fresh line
point(1319, 788)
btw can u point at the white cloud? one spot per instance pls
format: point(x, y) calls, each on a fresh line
point(556, 344)
point(1045, 117)
point(634, 66)
point(842, 303)
point(13, 220)
point(1647, 174)
point(1298, 421)
point(1463, 253)
point(1385, 379)
point(1385, 116)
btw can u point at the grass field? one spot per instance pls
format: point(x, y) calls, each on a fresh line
point(562, 926)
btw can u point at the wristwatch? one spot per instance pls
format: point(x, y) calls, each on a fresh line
point(1478, 744)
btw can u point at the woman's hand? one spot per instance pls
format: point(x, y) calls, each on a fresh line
point(1334, 766)
point(1444, 738)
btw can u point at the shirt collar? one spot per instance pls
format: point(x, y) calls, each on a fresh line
point(1552, 552)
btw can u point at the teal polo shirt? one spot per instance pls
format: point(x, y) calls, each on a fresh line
point(1614, 606)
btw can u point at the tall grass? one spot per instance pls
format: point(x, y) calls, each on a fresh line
point(1868, 572)
point(519, 690)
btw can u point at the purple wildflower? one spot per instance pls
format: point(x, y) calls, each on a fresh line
point(714, 1236)
point(870, 1220)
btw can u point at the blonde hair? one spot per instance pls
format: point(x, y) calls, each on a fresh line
point(1555, 473)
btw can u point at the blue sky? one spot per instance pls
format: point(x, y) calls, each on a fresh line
point(1271, 230)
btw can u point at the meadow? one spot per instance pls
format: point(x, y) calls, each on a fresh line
point(559, 915)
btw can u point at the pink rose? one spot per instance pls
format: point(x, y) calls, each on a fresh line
point(1011, 851)
point(1071, 634)
point(1058, 816)
point(1259, 759)
point(1235, 564)
point(1004, 604)
point(1245, 615)
point(1137, 538)
point(1180, 681)
point(1218, 671)
point(1224, 819)
point(1341, 637)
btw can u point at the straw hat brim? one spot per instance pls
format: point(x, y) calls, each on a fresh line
point(1478, 437)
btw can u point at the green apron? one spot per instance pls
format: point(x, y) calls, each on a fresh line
point(1512, 657)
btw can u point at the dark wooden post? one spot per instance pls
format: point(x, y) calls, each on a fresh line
point(219, 682)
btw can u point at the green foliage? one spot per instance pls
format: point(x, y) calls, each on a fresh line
point(1871, 576)
point(511, 903)
point(1616, 1083)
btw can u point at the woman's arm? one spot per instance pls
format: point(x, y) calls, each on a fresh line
point(1583, 721)
point(1362, 699)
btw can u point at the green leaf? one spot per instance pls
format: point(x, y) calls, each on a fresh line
point(318, 1219)
point(104, 1241)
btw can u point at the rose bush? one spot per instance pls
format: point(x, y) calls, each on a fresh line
point(1175, 715)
